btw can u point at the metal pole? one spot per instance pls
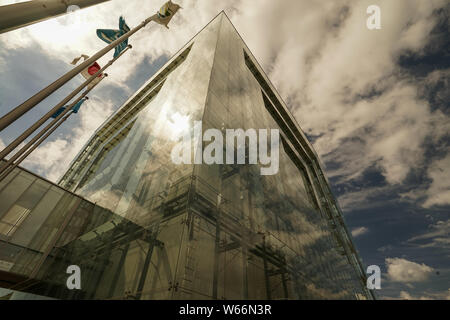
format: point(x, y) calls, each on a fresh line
point(18, 15)
point(216, 265)
point(48, 115)
point(266, 270)
point(10, 165)
point(20, 110)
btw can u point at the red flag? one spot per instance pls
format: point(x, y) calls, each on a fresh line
point(94, 68)
point(90, 71)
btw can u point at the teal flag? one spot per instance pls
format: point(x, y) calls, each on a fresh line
point(109, 35)
point(75, 108)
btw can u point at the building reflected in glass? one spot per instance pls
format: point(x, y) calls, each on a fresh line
point(140, 226)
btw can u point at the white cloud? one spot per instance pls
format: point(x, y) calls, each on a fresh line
point(385, 248)
point(438, 193)
point(406, 296)
point(426, 296)
point(364, 198)
point(359, 231)
point(438, 236)
point(381, 125)
point(402, 270)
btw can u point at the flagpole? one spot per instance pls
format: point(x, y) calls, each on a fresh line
point(50, 128)
point(5, 170)
point(10, 162)
point(20, 110)
point(48, 115)
point(18, 15)
point(11, 167)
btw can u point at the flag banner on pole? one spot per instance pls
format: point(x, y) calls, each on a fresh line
point(75, 108)
point(89, 71)
point(92, 69)
point(166, 13)
point(95, 81)
point(75, 61)
point(109, 35)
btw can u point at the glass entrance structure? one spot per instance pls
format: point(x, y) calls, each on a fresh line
point(197, 230)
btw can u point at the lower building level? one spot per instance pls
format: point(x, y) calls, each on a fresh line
point(197, 246)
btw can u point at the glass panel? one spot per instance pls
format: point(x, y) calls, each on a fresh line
point(14, 190)
point(20, 210)
point(36, 218)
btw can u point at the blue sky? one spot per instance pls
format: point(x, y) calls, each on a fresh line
point(375, 104)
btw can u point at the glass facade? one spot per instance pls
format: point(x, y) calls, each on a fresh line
point(161, 230)
point(40, 223)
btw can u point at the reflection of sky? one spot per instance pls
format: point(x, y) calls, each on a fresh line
point(177, 124)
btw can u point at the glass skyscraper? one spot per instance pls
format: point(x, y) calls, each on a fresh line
point(140, 226)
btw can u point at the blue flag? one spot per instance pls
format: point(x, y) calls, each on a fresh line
point(109, 35)
point(75, 108)
point(57, 113)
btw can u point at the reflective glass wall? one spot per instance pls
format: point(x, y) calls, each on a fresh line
point(36, 216)
point(46, 229)
point(131, 172)
point(272, 236)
